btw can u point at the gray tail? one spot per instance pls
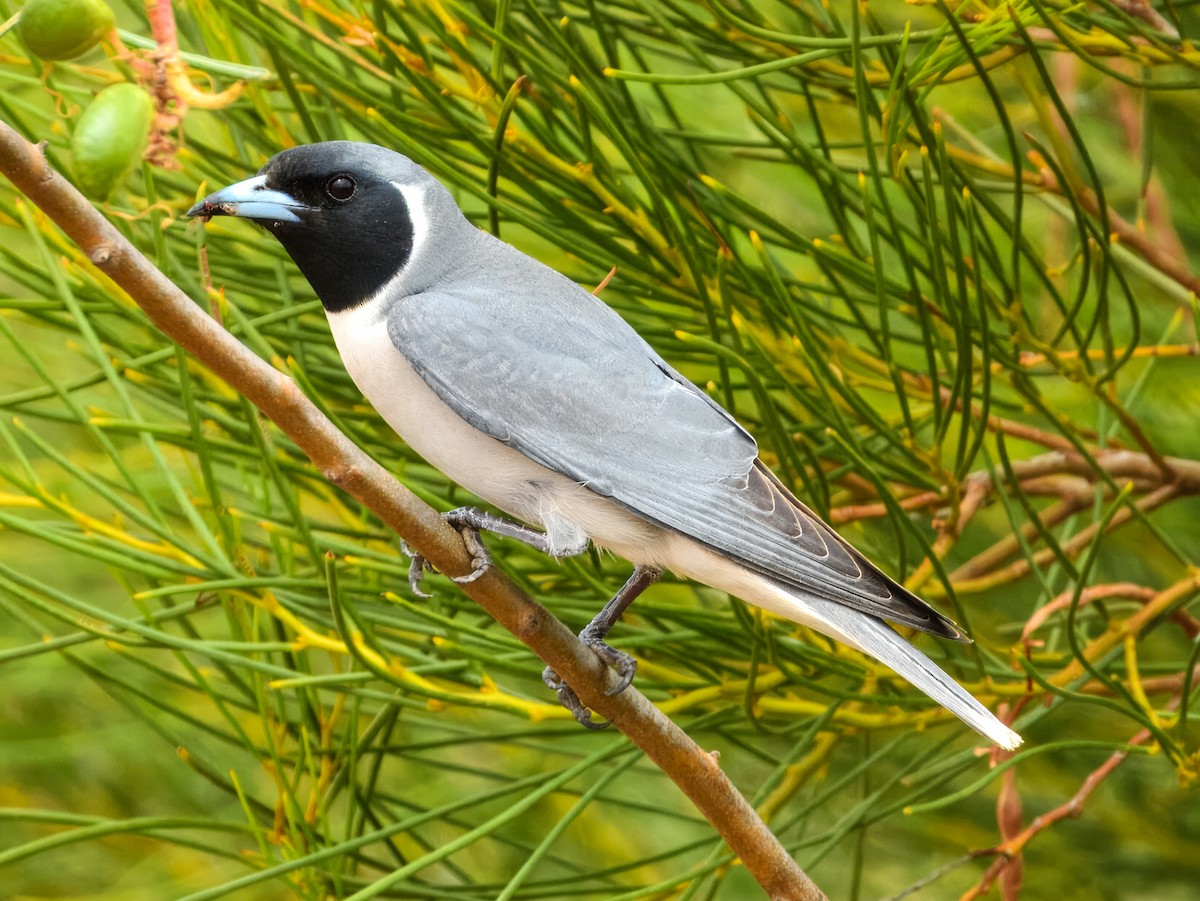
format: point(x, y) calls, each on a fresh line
point(875, 637)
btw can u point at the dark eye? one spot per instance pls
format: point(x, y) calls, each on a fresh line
point(340, 187)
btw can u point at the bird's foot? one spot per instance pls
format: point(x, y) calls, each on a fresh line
point(593, 637)
point(570, 700)
point(467, 521)
point(624, 664)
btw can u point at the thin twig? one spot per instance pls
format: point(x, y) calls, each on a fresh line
point(1009, 851)
point(1153, 252)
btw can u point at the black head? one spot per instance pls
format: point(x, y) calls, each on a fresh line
point(349, 214)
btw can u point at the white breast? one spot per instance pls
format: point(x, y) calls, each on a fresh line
point(481, 464)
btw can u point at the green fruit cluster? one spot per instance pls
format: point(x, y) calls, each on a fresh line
point(111, 134)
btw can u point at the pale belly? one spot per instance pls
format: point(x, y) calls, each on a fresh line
point(502, 476)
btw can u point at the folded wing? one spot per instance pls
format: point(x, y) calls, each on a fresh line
point(568, 383)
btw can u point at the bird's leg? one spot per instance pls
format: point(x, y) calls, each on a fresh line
point(469, 522)
point(593, 636)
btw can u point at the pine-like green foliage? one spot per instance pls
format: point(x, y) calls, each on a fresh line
point(931, 254)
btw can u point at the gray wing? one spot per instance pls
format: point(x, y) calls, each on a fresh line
point(553, 372)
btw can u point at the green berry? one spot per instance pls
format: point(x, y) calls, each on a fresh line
point(63, 29)
point(109, 138)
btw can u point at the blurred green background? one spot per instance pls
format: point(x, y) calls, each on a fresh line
point(936, 257)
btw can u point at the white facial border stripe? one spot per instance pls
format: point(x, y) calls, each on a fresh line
point(414, 202)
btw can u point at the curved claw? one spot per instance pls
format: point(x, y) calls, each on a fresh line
point(623, 664)
point(552, 680)
point(480, 558)
point(472, 575)
point(588, 723)
point(570, 700)
point(417, 568)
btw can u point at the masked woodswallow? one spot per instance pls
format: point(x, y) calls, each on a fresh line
point(532, 393)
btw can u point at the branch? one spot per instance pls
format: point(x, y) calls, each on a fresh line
point(1152, 251)
point(1009, 852)
point(344, 464)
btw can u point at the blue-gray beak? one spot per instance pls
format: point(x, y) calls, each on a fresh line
point(250, 199)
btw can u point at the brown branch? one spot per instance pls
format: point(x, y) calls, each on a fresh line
point(1141, 9)
point(950, 531)
point(1009, 851)
point(1143, 594)
point(1066, 475)
point(1072, 547)
point(1120, 465)
point(994, 556)
point(1157, 685)
point(1180, 478)
point(1162, 602)
point(1008, 818)
point(1029, 358)
point(344, 464)
point(878, 510)
point(1130, 113)
point(1153, 252)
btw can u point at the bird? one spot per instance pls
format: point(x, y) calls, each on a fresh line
point(535, 395)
